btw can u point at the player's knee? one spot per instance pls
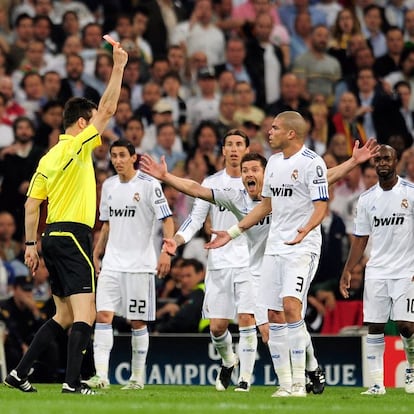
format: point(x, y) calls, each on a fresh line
point(406, 329)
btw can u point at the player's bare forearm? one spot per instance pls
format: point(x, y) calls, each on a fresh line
point(168, 228)
point(319, 212)
point(260, 211)
point(358, 245)
point(185, 185)
point(359, 156)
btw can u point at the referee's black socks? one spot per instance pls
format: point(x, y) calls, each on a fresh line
point(44, 336)
point(78, 341)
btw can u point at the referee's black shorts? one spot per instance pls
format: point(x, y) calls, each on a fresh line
point(67, 250)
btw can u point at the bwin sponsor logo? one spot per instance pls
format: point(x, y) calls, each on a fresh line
point(281, 191)
point(394, 220)
point(122, 212)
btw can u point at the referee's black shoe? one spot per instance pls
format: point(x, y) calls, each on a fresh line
point(22, 384)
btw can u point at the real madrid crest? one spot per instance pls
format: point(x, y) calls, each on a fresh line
point(136, 197)
point(404, 203)
point(295, 175)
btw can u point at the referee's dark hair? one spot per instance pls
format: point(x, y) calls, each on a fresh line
point(238, 132)
point(75, 108)
point(123, 143)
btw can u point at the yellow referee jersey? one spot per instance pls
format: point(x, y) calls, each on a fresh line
point(65, 176)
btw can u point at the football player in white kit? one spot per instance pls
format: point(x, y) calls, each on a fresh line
point(240, 202)
point(295, 191)
point(131, 203)
point(385, 213)
point(228, 278)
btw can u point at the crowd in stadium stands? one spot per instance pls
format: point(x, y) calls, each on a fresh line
point(196, 69)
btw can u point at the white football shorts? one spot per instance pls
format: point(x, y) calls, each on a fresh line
point(388, 298)
point(131, 295)
point(228, 292)
point(288, 275)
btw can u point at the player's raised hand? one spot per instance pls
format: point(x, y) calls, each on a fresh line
point(120, 55)
point(366, 152)
point(345, 283)
point(148, 165)
point(169, 246)
point(222, 238)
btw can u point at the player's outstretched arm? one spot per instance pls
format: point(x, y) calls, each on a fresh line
point(159, 171)
point(221, 239)
point(359, 156)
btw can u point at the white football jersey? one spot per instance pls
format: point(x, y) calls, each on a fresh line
point(387, 217)
point(240, 204)
point(132, 209)
point(233, 254)
point(293, 184)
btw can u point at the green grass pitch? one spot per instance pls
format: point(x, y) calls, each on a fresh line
point(173, 399)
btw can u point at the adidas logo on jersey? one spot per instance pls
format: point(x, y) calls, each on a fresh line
point(394, 220)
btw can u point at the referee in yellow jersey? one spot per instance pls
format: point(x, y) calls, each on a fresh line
point(65, 177)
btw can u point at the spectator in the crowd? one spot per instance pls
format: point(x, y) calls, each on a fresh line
point(51, 86)
point(205, 106)
point(23, 30)
point(69, 27)
point(151, 94)
point(134, 133)
point(290, 99)
point(199, 33)
point(301, 40)
point(50, 125)
point(373, 19)
point(73, 85)
point(160, 66)
point(288, 13)
point(10, 248)
point(166, 135)
point(177, 61)
point(159, 29)
point(184, 316)
point(264, 62)
point(43, 31)
point(91, 43)
point(131, 78)
point(246, 110)
point(17, 164)
point(346, 121)
point(206, 140)
point(171, 85)
point(390, 61)
point(226, 82)
point(196, 61)
point(139, 26)
point(318, 71)
point(13, 109)
point(235, 55)
point(346, 26)
point(227, 109)
point(32, 94)
point(409, 28)
point(6, 132)
point(122, 114)
point(103, 69)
